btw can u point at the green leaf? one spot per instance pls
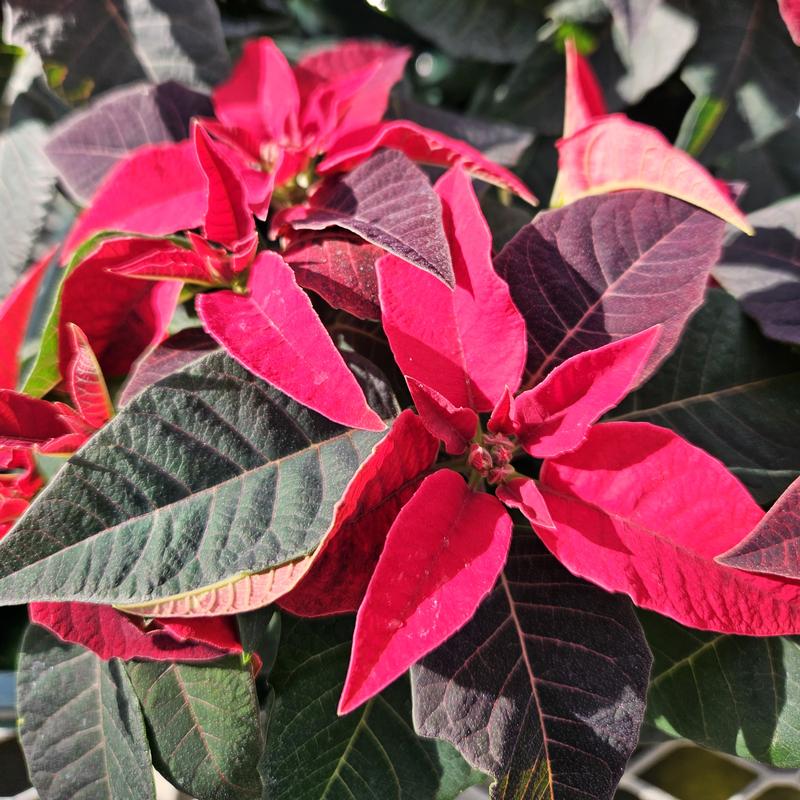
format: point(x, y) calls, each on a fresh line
point(207, 475)
point(90, 45)
point(27, 184)
point(733, 393)
point(738, 694)
point(502, 31)
point(80, 724)
point(203, 721)
point(744, 60)
point(311, 754)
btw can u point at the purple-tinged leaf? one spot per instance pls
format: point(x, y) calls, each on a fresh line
point(173, 354)
point(763, 272)
point(544, 689)
point(341, 269)
point(607, 267)
point(773, 546)
point(388, 201)
point(86, 144)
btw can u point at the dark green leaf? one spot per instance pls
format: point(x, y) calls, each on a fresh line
point(732, 393)
point(501, 31)
point(763, 271)
point(203, 720)
point(311, 754)
point(544, 688)
point(745, 60)
point(80, 724)
point(737, 694)
point(207, 475)
point(105, 43)
point(27, 185)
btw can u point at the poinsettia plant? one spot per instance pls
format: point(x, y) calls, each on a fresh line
point(331, 465)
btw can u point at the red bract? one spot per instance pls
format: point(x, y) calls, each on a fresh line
point(279, 119)
point(18, 484)
point(112, 634)
point(447, 545)
point(790, 11)
point(607, 152)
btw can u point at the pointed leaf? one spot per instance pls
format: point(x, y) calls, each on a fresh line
point(728, 390)
point(228, 220)
point(442, 556)
point(648, 264)
point(90, 141)
point(771, 547)
point(111, 634)
point(790, 12)
point(584, 98)
point(80, 724)
point(352, 544)
point(341, 269)
point(275, 333)
point(763, 273)
point(371, 753)
point(156, 190)
point(211, 465)
point(736, 694)
point(449, 340)
point(15, 313)
point(204, 725)
point(85, 382)
point(544, 687)
point(615, 153)
point(555, 416)
point(640, 511)
point(386, 481)
point(454, 426)
point(162, 259)
point(524, 495)
point(405, 221)
point(425, 146)
point(261, 94)
point(119, 43)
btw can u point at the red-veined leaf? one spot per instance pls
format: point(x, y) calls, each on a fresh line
point(85, 382)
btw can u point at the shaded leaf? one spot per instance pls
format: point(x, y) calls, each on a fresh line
point(763, 272)
point(544, 687)
point(502, 32)
point(729, 391)
point(121, 41)
point(210, 465)
point(639, 510)
point(203, 721)
point(80, 724)
point(648, 264)
point(89, 142)
point(388, 201)
point(737, 694)
point(371, 753)
point(27, 184)
point(771, 547)
point(341, 269)
point(745, 60)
